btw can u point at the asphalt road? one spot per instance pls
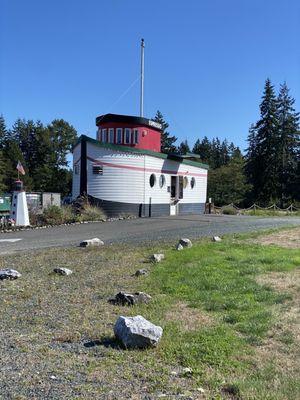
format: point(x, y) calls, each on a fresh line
point(138, 231)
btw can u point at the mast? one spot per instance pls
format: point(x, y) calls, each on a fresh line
point(142, 79)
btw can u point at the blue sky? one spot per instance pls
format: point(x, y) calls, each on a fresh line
point(205, 62)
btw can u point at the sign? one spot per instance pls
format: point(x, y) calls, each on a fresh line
point(154, 124)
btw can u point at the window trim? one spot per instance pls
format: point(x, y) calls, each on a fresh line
point(162, 181)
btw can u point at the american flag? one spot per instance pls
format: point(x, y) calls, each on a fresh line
point(20, 168)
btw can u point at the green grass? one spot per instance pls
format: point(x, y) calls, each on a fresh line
point(49, 318)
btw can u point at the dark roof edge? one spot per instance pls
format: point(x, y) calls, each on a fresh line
point(140, 151)
point(129, 119)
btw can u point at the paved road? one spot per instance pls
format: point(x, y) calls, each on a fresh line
point(138, 230)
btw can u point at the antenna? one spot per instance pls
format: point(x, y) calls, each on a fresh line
point(142, 79)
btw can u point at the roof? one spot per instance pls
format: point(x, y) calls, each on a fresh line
point(128, 119)
point(175, 157)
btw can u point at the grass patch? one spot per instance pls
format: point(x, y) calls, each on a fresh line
point(220, 312)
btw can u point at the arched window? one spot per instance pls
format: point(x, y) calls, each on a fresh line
point(152, 180)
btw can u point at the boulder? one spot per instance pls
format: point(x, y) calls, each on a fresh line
point(157, 257)
point(137, 332)
point(140, 272)
point(185, 242)
point(216, 239)
point(130, 299)
point(63, 271)
point(8, 273)
point(91, 242)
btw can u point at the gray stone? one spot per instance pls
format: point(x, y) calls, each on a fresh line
point(130, 299)
point(157, 257)
point(185, 242)
point(137, 332)
point(63, 271)
point(216, 239)
point(140, 272)
point(91, 242)
point(8, 273)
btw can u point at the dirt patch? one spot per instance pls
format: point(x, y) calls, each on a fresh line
point(190, 319)
point(287, 238)
point(283, 342)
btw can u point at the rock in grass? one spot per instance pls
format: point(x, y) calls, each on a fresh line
point(63, 271)
point(216, 239)
point(130, 299)
point(137, 332)
point(140, 272)
point(8, 273)
point(185, 242)
point(157, 257)
point(179, 247)
point(91, 242)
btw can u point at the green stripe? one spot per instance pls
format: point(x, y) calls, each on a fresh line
point(140, 151)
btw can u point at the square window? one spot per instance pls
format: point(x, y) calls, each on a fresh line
point(111, 135)
point(119, 135)
point(127, 135)
point(97, 170)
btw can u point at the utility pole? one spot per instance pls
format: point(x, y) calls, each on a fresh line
point(142, 78)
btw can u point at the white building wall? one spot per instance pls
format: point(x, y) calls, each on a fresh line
point(168, 168)
point(76, 177)
point(116, 184)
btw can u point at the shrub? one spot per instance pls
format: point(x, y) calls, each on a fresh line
point(229, 211)
point(91, 213)
point(69, 215)
point(53, 215)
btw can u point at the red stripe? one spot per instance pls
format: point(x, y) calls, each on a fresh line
point(162, 171)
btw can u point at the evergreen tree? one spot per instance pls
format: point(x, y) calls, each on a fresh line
point(203, 148)
point(3, 132)
point(167, 141)
point(262, 160)
point(289, 145)
point(183, 148)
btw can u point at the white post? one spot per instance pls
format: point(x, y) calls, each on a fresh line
point(142, 79)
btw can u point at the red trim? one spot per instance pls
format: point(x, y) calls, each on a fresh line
point(163, 171)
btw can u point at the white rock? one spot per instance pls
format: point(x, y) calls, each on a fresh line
point(137, 332)
point(179, 247)
point(201, 390)
point(63, 271)
point(8, 273)
point(216, 239)
point(185, 242)
point(91, 242)
point(140, 272)
point(157, 257)
point(187, 371)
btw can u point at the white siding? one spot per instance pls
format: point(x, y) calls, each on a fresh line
point(116, 184)
point(169, 168)
point(76, 177)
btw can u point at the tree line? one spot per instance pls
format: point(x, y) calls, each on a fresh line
point(42, 150)
point(268, 172)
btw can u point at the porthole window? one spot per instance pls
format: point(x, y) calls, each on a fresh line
point(185, 182)
point(162, 181)
point(193, 182)
point(152, 180)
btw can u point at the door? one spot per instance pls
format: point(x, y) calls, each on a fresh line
point(174, 195)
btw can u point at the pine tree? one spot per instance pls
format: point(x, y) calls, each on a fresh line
point(262, 161)
point(203, 148)
point(289, 147)
point(183, 148)
point(167, 141)
point(3, 132)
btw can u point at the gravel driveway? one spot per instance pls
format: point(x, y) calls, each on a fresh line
point(140, 230)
